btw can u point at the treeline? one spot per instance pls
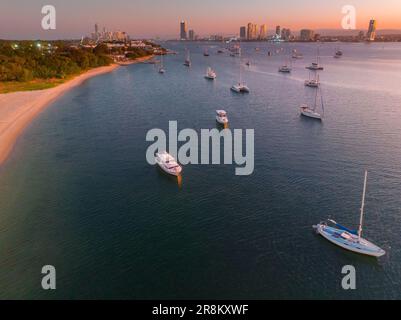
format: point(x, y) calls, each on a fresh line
point(28, 60)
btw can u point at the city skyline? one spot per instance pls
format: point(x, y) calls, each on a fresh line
point(205, 18)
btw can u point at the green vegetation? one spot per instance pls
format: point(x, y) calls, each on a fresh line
point(33, 65)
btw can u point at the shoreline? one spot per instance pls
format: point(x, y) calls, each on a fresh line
point(18, 109)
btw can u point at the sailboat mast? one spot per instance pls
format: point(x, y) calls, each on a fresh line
point(362, 205)
point(315, 104)
point(240, 71)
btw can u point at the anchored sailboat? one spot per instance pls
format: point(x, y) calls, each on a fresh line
point(306, 111)
point(316, 65)
point(313, 82)
point(187, 61)
point(161, 68)
point(350, 239)
point(240, 87)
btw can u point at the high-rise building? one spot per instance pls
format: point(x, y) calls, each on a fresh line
point(242, 33)
point(249, 31)
point(306, 35)
point(255, 32)
point(263, 32)
point(183, 30)
point(285, 34)
point(278, 32)
point(371, 35)
point(191, 35)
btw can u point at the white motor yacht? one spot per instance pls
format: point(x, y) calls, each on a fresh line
point(168, 164)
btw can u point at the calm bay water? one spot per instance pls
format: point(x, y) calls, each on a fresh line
point(77, 192)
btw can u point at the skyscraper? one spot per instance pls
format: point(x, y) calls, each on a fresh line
point(183, 30)
point(307, 35)
point(371, 35)
point(242, 33)
point(191, 35)
point(249, 31)
point(278, 31)
point(255, 32)
point(263, 32)
point(285, 34)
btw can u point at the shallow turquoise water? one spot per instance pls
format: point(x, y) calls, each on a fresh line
point(77, 192)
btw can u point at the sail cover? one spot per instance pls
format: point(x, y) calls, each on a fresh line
point(355, 232)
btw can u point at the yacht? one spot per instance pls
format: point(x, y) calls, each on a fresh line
point(187, 61)
point(314, 83)
point(310, 112)
point(240, 87)
point(284, 69)
point(168, 164)
point(316, 65)
point(338, 54)
point(350, 239)
point(161, 68)
point(210, 74)
point(221, 117)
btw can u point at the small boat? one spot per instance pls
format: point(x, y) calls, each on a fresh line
point(313, 83)
point(296, 55)
point(168, 164)
point(248, 63)
point(220, 51)
point(310, 112)
point(187, 61)
point(221, 117)
point(206, 52)
point(316, 65)
point(284, 69)
point(161, 68)
point(350, 239)
point(210, 74)
point(338, 54)
point(240, 88)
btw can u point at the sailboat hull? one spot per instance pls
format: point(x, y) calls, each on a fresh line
point(311, 114)
point(351, 243)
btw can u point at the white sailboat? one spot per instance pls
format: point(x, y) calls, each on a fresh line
point(187, 61)
point(210, 74)
point(314, 82)
point(285, 68)
point(310, 112)
point(161, 68)
point(350, 239)
point(316, 65)
point(240, 87)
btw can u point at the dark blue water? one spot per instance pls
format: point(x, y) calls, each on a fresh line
point(77, 192)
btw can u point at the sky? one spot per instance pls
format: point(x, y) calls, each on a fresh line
point(21, 19)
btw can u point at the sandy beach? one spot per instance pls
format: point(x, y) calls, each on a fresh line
point(18, 109)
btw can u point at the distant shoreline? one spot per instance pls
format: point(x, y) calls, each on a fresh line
point(18, 109)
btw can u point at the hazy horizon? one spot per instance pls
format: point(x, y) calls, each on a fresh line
point(155, 18)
